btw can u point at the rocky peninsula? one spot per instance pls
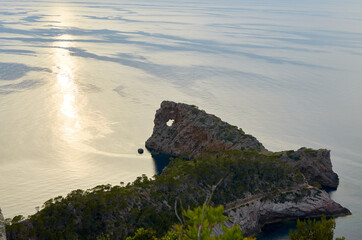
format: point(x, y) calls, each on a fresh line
point(194, 132)
point(256, 186)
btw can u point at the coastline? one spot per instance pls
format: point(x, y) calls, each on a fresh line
point(193, 133)
point(257, 187)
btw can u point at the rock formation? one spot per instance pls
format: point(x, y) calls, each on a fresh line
point(251, 217)
point(2, 227)
point(315, 165)
point(194, 132)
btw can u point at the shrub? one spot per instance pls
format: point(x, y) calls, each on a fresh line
point(314, 230)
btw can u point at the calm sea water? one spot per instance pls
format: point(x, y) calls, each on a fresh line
point(80, 83)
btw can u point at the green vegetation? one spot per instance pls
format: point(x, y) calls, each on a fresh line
point(144, 234)
point(199, 223)
point(314, 230)
point(116, 212)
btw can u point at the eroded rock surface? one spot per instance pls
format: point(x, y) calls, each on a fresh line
point(2, 227)
point(194, 131)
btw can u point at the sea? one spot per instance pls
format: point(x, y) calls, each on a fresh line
point(80, 82)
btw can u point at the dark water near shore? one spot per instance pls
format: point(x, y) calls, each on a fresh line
point(80, 82)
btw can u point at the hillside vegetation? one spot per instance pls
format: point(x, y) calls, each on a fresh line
point(118, 211)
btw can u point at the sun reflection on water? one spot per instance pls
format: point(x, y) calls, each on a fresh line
point(66, 82)
point(77, 125)
point(68, 95)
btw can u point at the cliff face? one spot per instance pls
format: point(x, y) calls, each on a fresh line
point(253, 216)
point(2, 227)
point(193, 132)
point(315, 165)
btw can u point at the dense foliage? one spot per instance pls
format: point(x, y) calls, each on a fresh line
point(314, 230)
point(119, 211)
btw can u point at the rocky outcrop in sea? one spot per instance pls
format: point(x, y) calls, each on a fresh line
point(2, 227)
point(194, 132)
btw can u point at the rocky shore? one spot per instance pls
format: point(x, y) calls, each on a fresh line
point(251, 217)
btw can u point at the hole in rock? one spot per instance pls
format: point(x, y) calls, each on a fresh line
point(170, 122)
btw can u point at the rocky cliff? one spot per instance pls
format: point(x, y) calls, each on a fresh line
point(2, 227)
point(315, 165)
point(251, 217)
point(192, 132)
